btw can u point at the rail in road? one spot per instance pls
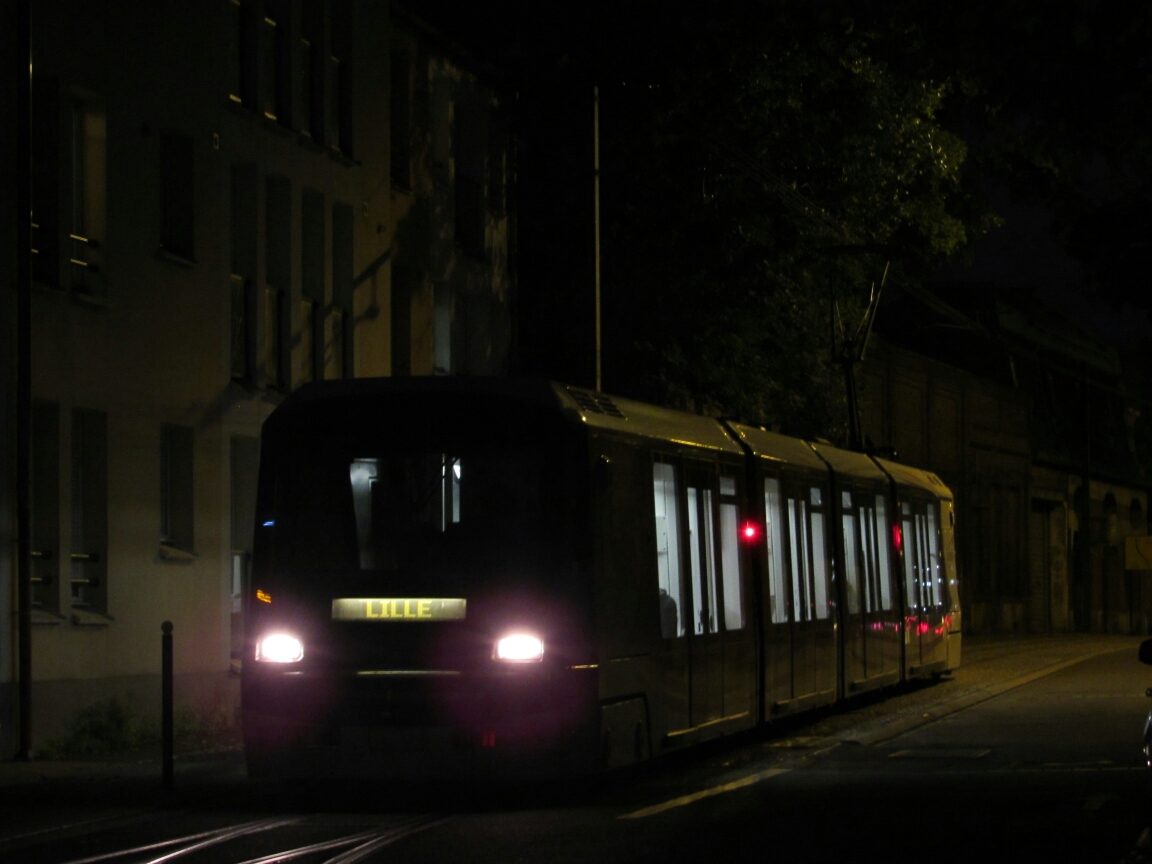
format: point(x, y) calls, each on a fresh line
point(1047, 754)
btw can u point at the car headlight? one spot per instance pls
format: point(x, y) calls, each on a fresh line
point(280, 648)
point(520, 648)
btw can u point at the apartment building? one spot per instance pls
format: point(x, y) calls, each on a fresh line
point(230, 198)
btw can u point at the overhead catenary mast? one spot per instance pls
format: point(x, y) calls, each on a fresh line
point(851, 353)
point(596, 215)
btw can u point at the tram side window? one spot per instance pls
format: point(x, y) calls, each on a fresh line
point(884, 551)
point(702, 559)
point(668, 549)
point(850, 533)
point(821, 572)
point(798, 546)
point(934, 571)
point(911, 558)
point(730, 565)
point(866, 517)
point(774, 539)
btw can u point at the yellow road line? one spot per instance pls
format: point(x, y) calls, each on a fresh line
point(705, 793)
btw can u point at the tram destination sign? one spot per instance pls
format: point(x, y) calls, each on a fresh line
point(398, 609)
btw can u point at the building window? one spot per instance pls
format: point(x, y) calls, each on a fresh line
point(176, 189)
point(342, 289)
point(89, 164)
point(469, 145)
point(309, 315)
point(46, 506)
point(275, 364)
point(243, 330)
point(46, 180)
point(89, 554)
point(244, 461)
point(268, 78)
point(312, 69)
point(470, 215)
point(243, 233)
point(400, 118)
point(246, 27)
point(312, 272)
point(403, 285)
point(176, 486)
point(275, 62)
point(278, 275)
point(340, 78)
point(497, 153)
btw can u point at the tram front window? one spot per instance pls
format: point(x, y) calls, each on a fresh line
point(418, 514)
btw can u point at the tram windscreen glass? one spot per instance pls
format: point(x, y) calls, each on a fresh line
point(409, 511)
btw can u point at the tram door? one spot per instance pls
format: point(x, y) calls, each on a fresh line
point(924, 587)
point(872, 641)
point(705, 640)
point(675, 615)
point(854, 557)
point(778, 612)
point(880, 606)
point(814, 646)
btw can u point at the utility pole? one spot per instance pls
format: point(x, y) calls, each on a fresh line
point(596, 214)
point(21, 72)
point(851, 353)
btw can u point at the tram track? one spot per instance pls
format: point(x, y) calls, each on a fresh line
point(350, 848)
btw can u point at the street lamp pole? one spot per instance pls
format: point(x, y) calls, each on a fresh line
point(596, 214)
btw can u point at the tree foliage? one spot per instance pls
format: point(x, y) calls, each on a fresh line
point(778, 163)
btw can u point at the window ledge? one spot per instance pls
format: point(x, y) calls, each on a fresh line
point(84, 618)
point(172, 258)
point(305, 140)
point(94, 301)
point(40, 618)
point(342, 158)
point(176, 555)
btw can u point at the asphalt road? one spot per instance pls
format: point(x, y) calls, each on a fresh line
point(1051, 770)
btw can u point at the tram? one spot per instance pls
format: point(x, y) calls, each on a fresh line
point(482, 577)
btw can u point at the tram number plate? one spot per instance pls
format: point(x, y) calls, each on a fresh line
point(398, 609)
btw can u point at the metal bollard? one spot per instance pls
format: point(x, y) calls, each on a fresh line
point(166, 738)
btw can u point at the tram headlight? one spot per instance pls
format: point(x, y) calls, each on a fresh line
point(520, 648)
point(279, 648)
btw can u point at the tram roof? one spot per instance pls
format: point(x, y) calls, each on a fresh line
point(905, 475)
point(850, 463)
point(585, 406)
point(778, 448)
point(598, 410)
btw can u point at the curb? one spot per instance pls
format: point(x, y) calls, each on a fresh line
point(893, 728)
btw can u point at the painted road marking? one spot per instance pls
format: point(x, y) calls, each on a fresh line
point(958, 753)
point(1095, 802)
point(705, 793)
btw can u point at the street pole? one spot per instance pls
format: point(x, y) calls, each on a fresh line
point(22, 72)
point(596, 213)
point(167, 739)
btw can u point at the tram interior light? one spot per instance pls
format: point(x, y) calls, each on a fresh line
point(520, 648)
point(280, 648)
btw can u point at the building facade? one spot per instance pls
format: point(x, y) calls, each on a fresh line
point(1020, 414)
point(230, 199)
